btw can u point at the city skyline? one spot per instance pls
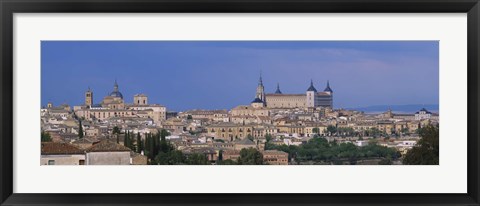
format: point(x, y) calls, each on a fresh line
point(227, 72)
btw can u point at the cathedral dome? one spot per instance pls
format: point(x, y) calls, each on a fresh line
point(116, 94)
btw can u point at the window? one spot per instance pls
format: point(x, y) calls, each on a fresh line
point(51, 162)
point(81, 162)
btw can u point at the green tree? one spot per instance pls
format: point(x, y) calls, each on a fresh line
point(227, 162)
point(173, 157)
point(164, 145)
point(374, 132)
point(131, 144)
point(126, 139)
point(426, 152)
point(345, 131)
point(319, 150)
point(405, 131)
point(139, 143)
point(220, 155)
point(80, 129)
point(268, 137)
point(160, 151)
point(372, 142)
point(164, 133)
point(149, 146)
point(45, 137)
point(116, 130)
point(331, 129)
point(269, 146)
point(196, 159)
point(250, 156)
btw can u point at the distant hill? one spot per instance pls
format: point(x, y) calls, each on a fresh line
point(409, 108)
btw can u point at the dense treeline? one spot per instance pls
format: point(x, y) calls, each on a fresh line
point(161, 152)
point(45, 137)
point(128, 141)
point(426, 152)
point(320, 150)
point(350, 132)
point(248, 156)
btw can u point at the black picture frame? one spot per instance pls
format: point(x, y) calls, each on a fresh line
point(10, 7)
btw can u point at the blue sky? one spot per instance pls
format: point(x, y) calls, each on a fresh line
point(223, 74)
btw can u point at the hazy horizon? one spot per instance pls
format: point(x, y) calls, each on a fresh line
point(185, 75)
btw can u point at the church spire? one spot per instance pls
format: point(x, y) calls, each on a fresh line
point(115, 86)
point(311, 88)
point(278, 89)
point(328, 89)
point(260, 82)
point(260, 94)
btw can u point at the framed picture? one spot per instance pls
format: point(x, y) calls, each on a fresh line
point(239, 102)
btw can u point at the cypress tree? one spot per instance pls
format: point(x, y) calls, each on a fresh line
point(152, 147)
point(130, 142)
point(156, 144)
point(125, 139)
point(45, 137)
point(139, 143)
point(220, 155)
point(80, 129)
point(147, 145)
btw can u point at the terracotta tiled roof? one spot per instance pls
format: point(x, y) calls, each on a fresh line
point(107, 146)
point(245, 141)
point(274, 152)
point(84, 140)
point(56, 148)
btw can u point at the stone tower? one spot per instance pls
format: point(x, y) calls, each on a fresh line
point(140, 99)
point(329, 91)
point(260, 90)
point(311, 94)
point(89, 97)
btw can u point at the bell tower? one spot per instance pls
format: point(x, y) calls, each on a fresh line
point(260, 90)
point(311, 95)
point(89, 97)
